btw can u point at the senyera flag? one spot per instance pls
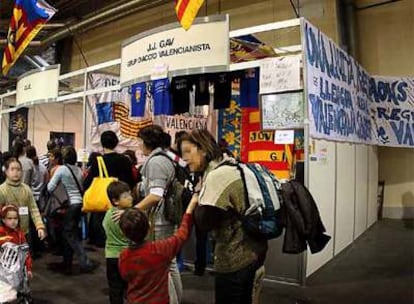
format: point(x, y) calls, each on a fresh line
point(186, 11)
point(27, 20)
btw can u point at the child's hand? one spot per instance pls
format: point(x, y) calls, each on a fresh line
point(30, 275)
point(41, 233)
point(193, 203)
point(116, 216)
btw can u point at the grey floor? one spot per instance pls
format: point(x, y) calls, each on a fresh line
point(378, 268)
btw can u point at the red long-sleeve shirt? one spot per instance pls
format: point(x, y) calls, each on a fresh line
point(15, 236)
point(146, 267)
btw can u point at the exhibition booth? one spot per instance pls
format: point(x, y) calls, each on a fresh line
point(305, 111)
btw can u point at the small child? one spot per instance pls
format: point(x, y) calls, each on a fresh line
point(120, 197)
point(145, 265)
point(10, 232)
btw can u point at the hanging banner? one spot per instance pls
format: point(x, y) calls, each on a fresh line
point(280, 74)
point(111, 111)
point(204, 47)
point(393, 108)
point(259, 146)
point(337, 91)
point(17, 125)
point(229, 126)
point(176, 123)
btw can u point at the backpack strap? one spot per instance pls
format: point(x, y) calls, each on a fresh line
point(76, 180)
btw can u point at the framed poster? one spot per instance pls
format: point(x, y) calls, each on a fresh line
point(63, 138)
point(282, 110)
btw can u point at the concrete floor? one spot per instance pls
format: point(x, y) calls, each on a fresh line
point(378, 268)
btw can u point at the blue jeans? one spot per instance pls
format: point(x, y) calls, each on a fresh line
point(71, 241)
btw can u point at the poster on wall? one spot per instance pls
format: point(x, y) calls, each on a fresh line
point(392, 108)
point(17, 125)
point(63, 138)
point(337, 91)
point(282, 111)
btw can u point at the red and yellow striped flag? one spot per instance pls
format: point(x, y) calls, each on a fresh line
point(186, 11)
point(28, 18)
point(129, 128)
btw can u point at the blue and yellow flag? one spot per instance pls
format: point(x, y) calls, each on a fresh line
point(27, 20)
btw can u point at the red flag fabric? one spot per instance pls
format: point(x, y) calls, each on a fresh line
point(186, 11)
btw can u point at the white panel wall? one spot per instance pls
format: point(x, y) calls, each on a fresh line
point(322, 187)
point(372, 184)
point(345, 196)
point(361, 189)
point(4, 132)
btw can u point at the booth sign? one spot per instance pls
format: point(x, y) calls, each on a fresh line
point(203, 48)
point(37, 86)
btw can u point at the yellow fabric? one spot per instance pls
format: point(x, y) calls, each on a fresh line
point(96, 198)
point(190, 12)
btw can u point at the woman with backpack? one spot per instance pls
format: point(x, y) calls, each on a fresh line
point(70, 176)
point(237, 255)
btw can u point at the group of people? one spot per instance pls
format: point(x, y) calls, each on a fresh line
point(141, 245)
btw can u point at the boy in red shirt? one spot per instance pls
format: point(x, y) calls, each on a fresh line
point(145, 264)
point(10, 232)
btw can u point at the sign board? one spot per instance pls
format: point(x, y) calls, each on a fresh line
point(280, 74)
point(203, 48)
point(39, 85)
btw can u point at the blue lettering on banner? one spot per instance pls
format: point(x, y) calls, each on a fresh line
point(395, 92)
point(404, 132)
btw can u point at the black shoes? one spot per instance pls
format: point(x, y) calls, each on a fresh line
point(90, 267)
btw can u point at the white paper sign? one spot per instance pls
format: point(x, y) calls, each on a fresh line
point(280, 74)
point(83, 155)
point(159, 71)
point(284, 137)
point(24, 210)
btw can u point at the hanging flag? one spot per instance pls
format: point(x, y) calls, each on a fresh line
point(104, 112)
point(186, 11)
point(27, 20)
point(129, 128)
point(138, 99)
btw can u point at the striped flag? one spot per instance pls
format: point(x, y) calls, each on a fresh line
point(129, 127)
point(27, 20)
point(186, 11)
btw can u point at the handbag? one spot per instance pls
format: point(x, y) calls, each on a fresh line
point(96, 198)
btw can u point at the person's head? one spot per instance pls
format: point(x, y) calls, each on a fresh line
point(119, 194)
point(198, 149)
point(69, 155)
point(55, 157)
point(177, 141)
point(109, 140)
point(27, 142)
point(131, 156)
point(5, 156)
point(18, 148)
point(32, 154)
point(13, 169)
point(134, 224)
point(10, 216)
point(152, 137)
point(50, 145)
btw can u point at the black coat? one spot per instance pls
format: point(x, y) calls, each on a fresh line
point(301, 219)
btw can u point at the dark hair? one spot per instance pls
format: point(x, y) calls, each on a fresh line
point(131, 156)
point(5, 156)
point(92, 158)
point(109, 140)
point(115, 190)
point(27, 142)
point(8, 162)
point(178, 139)
point(167, 140)
point(57, 154)
point(69, 155)
point(134, 224)
point(205, 142)
point(153, 136)
point(51, 144)
point(32, 154)
point(18, 148)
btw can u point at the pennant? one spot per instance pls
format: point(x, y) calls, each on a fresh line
point(28, 18)
point(104, 111)
point(129, 128)
point(186, 11)
point(138, 99)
